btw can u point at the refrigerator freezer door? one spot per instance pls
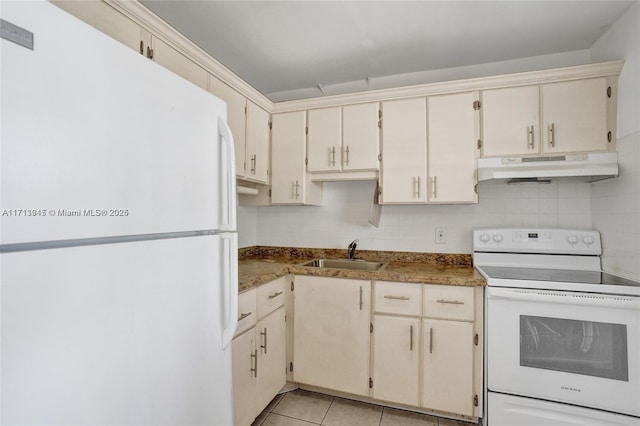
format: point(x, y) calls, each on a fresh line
point(116, 334)
point(99, 141)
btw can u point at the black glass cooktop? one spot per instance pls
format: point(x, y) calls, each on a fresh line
point(556, 275)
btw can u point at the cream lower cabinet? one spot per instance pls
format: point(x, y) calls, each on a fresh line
point(259, 351)
point(331, 333)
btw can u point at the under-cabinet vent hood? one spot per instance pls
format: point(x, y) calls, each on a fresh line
point(593, 166)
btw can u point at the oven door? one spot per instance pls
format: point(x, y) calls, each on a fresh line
point(577, 348)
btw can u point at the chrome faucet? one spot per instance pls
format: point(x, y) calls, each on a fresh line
point(351, 250)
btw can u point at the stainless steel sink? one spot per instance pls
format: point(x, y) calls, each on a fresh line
point(351, 264)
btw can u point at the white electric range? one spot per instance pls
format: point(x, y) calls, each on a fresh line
point(562, 338)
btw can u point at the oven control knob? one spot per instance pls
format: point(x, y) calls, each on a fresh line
point(497, 238)
point(588, 240)
point(573, 239)
point(484, 238)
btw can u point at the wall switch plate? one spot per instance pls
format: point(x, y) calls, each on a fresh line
point(441, 235)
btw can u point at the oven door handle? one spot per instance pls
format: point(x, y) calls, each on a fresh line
point(565, 298)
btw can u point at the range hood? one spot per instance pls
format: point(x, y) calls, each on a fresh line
point(592, 166)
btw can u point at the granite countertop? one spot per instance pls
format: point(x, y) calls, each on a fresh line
point(260, 264)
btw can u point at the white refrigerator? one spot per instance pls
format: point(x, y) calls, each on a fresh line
point(118, 251)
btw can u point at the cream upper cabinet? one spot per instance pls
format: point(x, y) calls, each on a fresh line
point(324, 139)
point(404, 151)
point(574, 116)
point(176, 62)
point(360, 136)
point(452, 149)
point(331, 333)
point(552, 118)
point(257, 144)
point(510, 121)
point(448, 350)
point(289, 181)
point(236, 118)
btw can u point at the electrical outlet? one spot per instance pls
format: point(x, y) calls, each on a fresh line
point(441, 235)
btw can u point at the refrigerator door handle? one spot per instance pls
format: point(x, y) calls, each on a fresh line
point(227, 178)
point(229, 288)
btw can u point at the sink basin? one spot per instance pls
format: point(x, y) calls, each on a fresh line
point(351, 264)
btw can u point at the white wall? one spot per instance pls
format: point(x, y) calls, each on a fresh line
point(615, 204)
point(345, 212)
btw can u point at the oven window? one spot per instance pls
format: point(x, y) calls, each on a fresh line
point(582, 347)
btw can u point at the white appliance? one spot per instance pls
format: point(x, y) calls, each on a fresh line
point(118, 244)
point(562, 338)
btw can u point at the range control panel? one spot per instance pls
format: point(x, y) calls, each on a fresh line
point(537, 240)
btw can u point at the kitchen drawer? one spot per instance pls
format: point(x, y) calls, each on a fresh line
point(397, 298)
point(247, 311)
point(271, 296)
point(449, 302)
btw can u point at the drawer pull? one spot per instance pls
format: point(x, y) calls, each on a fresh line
point(391, 297)
point(243, 315)
point(450, 302)
point(360, 298)
point(254, 355)
point(264, 333)
point(431, 340)
point(274, 295)
point(411, 338)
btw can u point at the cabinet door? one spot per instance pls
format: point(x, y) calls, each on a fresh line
point(448, 366)
point(574, 116)
point(271, 342)
point(244, 357)
point(325, 139)
point(288, 154)
point(510, 121)
point(452, 148)
point(176, 62)
point(360, 136)
point(257, 144)
point(396, 359)
point(404, 151)
point(331, 333)
point(236, 118)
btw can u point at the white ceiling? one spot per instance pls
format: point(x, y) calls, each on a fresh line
point(286, 48)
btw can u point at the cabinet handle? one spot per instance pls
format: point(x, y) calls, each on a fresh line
point(435, 186)
point(416, 181)
point(332, 156)
point(552, 141)
point(296, 187)
point(346, 160)
point(450, 302)
point(430, 341)
point(530, 136)
point(141, 47)
point(264, 333)
point(411, 338)
point(360, 298)
point(254, 355)
point(253, 164)
point(389, 296)
point(274, 295)
point(149, 52)
point(243, 316)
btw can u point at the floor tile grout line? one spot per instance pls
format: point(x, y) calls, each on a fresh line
point(333, 398)
point(295, 418)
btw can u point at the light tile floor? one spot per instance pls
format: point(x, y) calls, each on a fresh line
point(304, 408)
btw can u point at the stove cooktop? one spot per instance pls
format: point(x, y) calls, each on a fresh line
point(556, 275)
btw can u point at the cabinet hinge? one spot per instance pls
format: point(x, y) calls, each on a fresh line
point(379, 157)
point(306, 130)
point(370, 383)
point(609, 136)
point(245, 110)
point(244, 166)
point(476, 105)
point(475, 188)
point(370, 327)
point(609, 92)
point(475, 339)
point(380, 124)
point(142, 47)
point(475, 400)
point(306, 161)
point(269, 192)
point(149, 52)
point(291, 285)
point(270, 124)
point(479, 144)
point(379, 113)
point(291, 366)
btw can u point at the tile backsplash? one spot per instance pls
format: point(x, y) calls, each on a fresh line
point(344, 216)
